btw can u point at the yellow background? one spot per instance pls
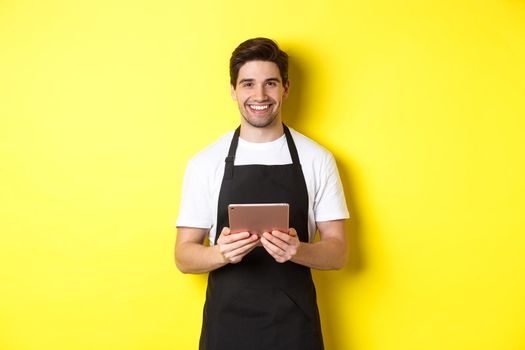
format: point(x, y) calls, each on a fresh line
point(103, 102)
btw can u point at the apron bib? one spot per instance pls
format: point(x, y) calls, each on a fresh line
point(259, 303)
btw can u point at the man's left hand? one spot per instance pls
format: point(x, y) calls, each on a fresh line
point(282, 246)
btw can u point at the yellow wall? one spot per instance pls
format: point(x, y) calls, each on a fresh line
point(103, 102)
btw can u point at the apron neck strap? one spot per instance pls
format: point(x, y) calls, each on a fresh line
point(230, 159)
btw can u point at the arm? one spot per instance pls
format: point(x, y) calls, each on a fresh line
point(192, 256)
point(329, 253)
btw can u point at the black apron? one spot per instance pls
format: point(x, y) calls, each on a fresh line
point(259, 303)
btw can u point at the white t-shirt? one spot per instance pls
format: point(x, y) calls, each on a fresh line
point(204, 173)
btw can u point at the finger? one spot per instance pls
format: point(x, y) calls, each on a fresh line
point(233, 237)
point(283, 236)
point(242, 251)
point(277, 241)
point(291, 232)
point(225, 231)
point(229, 247)
point(237, 255)
point(274, 251)
point(233, 245)
point(271, 247)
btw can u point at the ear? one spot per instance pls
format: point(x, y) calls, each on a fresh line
point(233, 92)
point(286, 88)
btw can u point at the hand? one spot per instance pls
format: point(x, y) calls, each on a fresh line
point(282, 246)
point(234, 246)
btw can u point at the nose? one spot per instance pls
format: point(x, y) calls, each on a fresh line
point(259, 93)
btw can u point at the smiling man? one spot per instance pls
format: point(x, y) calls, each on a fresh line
point(259, 93)
point(260, 291)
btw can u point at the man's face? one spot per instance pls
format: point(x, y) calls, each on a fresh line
point(260, 93)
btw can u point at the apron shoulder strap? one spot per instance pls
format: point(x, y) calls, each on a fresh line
point(291, 147)
point(230, 159)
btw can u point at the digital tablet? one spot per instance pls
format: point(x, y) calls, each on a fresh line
point(258, 218)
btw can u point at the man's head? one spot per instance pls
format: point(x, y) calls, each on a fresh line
point(258, 49)
point(259, 81)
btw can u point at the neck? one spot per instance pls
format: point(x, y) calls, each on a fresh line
point(259, 135)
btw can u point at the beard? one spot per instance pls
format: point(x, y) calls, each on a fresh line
point(259, 121)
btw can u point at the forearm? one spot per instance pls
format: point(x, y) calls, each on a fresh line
point(327, 254)
point(191, 257)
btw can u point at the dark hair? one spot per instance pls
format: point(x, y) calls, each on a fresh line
point(258, 49)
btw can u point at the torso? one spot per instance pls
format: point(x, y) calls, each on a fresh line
point(317, 164)
point(259, 303)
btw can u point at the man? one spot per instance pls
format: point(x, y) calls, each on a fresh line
point(260, 292)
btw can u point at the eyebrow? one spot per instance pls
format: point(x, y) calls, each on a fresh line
point(252, 80)
point(246, 81)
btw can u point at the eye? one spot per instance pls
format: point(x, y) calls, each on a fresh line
point(247, 84)
point(271, 83)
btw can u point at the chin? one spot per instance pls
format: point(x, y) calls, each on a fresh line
point(257, 123)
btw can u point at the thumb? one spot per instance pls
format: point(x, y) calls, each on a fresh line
point(225, 231)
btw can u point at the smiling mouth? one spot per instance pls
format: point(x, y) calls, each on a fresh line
point(259, 108)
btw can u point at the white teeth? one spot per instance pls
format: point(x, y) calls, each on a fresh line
point(259, 108)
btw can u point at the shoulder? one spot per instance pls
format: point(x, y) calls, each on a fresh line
point(308, 149)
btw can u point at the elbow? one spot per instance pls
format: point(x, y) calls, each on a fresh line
point(183, 270)
point(339, 265)
point(180, 264)
point(187, 268)
point(181, 267)
point(341, 261)
point(332, 264)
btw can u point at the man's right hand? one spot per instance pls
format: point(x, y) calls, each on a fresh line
point(234, 246)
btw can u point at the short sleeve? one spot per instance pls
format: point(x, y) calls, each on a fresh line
point(194, 207)
point(329, 202)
